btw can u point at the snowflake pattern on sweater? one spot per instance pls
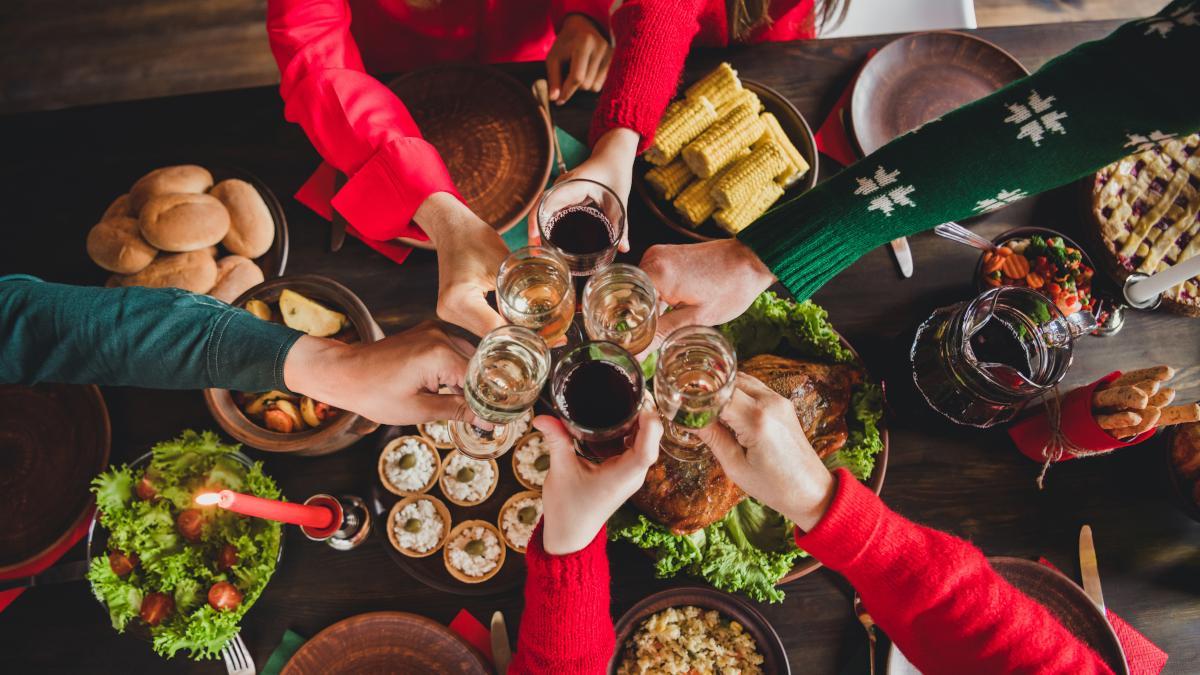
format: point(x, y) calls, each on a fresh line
point(1142, 143)
point(1037, 118)
point(1002, 199)
point(890, 199)
point(1162, 25)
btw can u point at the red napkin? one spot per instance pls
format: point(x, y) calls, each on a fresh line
point(42, 563)
point(469, 628)
point(833, 138)
point(1143, 656)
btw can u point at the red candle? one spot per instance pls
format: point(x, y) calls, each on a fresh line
point(304, 515)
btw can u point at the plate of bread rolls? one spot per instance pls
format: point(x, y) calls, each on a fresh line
point(212, 230)
point(723, 154)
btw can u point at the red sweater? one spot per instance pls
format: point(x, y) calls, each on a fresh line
point(933, 594)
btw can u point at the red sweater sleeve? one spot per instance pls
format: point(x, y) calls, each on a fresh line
point(354, 121)
point(652, 40)
point(936, 596)
point(566, 627)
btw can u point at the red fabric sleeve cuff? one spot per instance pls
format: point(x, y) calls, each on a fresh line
point(596, 10)
point(586, 568)
point(381, 198)
point(848, 527)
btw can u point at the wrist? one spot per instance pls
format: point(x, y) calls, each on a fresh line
point(809, 505)
point(746, 259)
point(618, 144)
point(441, 215)
point(320, 368)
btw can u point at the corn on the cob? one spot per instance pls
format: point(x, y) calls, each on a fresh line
point(695, 203)
point(748, 176)
point(743, 97)
point(723, 141)
point(683, 121)
point(797, 166)
point(668, 180)
point(716, 86)
point(734, 220)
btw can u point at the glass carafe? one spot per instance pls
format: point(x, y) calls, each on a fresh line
point(979, 362)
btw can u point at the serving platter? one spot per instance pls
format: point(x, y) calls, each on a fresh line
point(798, 132)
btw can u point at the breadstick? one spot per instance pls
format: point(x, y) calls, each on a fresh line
point(1148, 386)
point(1163, 398)
point(1121, 398)
point(1149, 418)
point(1179, 414)
point(1160, 373)
point(1119, 420)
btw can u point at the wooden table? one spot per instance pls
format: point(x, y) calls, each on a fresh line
point(62, 168)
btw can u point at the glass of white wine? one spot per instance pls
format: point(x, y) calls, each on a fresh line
point(534, 290)
point(620, 306)
point(697, 367)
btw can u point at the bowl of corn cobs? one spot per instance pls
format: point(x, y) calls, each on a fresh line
point(723, 154)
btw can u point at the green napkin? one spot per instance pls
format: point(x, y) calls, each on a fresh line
point(288, 646)
point(574, 152)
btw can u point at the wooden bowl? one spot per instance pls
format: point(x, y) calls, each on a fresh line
point(797, 130)
point(433, 478)
point(443, 512)
point(327, 438)
point(448, 445)
point(457, 574)
point(769, 645)
point(503, 509)
point(446, 493)
point(516, 446)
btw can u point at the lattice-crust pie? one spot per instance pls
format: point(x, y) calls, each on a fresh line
point(1148, 209)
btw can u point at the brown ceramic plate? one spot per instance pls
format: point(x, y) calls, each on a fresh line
point(386, 642)
point(54, 438)
point(919, 77)
point(797, 130)
point(775, 659)
point(1067, 602)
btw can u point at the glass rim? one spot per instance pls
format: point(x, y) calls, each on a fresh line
point(639, 383)
point(537, 210)
point(625, 268)
point(707, 331)
point(558, 259)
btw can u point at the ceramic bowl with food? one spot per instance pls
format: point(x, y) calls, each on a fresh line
point(438, 433)
point(1043, 260)
point(531, 460)
point(318, 306)
point(474, 552)
point(409, 465)
point(418, 526)
point(518, 517)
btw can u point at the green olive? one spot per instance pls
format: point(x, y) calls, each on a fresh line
point(412, 525)
point(527, 515)
point(408, 461)
point(474, 547)
point(542, 463)
point(465, 475)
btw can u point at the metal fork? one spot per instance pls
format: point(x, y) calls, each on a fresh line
point(237, 657)
point(868, 624)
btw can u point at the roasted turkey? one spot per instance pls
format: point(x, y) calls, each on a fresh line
point(688, 496)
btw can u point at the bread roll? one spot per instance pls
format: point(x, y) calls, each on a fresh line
point(121, 206)
point(183, 222)
point(116, 244)
point(194, 271)
point(251, 228)
point(235, 275)
point(185, 178)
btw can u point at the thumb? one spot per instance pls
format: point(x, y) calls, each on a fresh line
point(432, 407)
point(645, 447)
point(477, 316)
point(553, 74)
point(562, 448)
point(724, 447)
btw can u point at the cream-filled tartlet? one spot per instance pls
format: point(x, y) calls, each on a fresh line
point(418, 526)
point(531, 461)
point(409, 465)
point(467, 481)
point(474, 551)
point(519, 515)
point(438, 433)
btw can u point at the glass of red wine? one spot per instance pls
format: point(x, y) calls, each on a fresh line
point(597, 390)
point(584, 221)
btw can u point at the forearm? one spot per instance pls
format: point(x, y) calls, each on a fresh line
point(1037, 133)
point(156, 338)
point(936, 596)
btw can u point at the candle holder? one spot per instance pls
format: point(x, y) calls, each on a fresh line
point(351, 522)
point(1149, 304)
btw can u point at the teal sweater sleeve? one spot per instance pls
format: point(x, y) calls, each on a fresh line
point(1089, 107)
point(144, 337)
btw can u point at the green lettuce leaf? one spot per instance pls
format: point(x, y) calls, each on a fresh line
point(864, 441)
point(122, 596)
point(771, 320)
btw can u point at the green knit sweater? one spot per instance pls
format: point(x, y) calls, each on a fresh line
point(1085, 109)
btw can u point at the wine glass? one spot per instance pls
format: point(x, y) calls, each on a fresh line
point(584, 221)
point(696, 371)
point(534, 290)
point(504, 377)
point(597, 389)
point(620, 305)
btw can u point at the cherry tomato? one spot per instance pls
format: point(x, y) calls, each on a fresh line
point(189, 523)
point(278, 420)
point(227, 558)
point(156, 607)
point(224, 596)
point(145, 489)
point(122, 564)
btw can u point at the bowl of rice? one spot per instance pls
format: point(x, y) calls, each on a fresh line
point(437, 433)
point(418, 526)
point(531, 460)
point(474, 551)
point(409, 465)
point(519, 515)
point(466, 481)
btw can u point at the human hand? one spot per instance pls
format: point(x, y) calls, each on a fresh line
point(392, 381)
point(705, 284)
point(585, 51)
point(469, 255)
point(580, 496)
point(762, 448)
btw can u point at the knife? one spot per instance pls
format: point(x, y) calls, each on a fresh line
point(501, 652)
point(337, 224)
point(903, 256)
point(72, 571)
point(1088, 569)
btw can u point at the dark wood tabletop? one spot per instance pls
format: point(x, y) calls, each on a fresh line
point(60, 170)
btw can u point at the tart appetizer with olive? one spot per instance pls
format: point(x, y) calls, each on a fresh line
point(418, 526)
point(519, 515)
point(438, 434)
point(474, 552)
point(531, 461)
point(409, 465)
point(466, 481)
